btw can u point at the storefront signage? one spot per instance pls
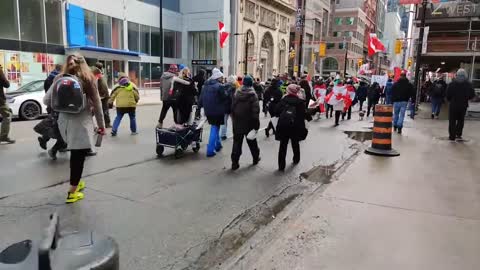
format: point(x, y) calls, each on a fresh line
point(204, 62)
point(453, 9)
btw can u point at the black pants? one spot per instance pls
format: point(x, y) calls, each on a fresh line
point(60, 143)
point(77, 161)
point(237, 147)
point(456, 121)
point(329, 109)
point(282, 152)
point(361, 104)
point(348, 113)
point(184, 112)
point(106, 113)
point(270, 127)
point(371, 106)
point(167, 105)
point(337, 117)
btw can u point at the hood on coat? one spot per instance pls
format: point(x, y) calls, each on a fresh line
point(461, 75)
point(167, 75)
point(245, 93)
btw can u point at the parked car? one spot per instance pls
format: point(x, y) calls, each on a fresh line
point(27, 101)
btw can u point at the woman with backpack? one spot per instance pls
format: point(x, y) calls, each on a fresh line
point(126, 97)
point(75, 122)
point(291, 124)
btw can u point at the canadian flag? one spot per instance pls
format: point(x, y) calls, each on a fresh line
point(374, 45)
point(223, 34)
point(339, 94)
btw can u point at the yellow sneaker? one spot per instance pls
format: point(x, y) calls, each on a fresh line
point(74, 197)
point(80, 186)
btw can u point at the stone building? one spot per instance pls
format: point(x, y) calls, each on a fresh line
point(267, 24)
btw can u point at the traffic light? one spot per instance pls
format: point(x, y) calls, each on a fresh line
point(322, 50)
point(360, 62)
point(292, 54)
point(409, 64)
point(398, 46)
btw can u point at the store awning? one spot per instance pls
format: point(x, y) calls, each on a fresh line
point(103, 53)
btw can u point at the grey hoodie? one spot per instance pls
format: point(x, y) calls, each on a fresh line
point(167, 80)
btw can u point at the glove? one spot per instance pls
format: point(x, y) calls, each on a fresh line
point(101, 131)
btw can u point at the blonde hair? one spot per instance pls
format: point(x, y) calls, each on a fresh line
point(185, 72)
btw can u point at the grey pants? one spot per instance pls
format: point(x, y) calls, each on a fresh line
point(6, 114)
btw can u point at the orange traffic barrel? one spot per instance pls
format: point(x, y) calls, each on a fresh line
point(382, 132)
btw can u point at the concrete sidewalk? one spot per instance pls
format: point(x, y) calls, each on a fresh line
point(417, 211)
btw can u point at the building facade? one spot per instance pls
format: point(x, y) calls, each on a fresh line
point(265, 24)
point(346, 45)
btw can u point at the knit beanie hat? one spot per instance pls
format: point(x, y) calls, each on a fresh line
point(293, 89)
point(248, 81)
point(216, 74)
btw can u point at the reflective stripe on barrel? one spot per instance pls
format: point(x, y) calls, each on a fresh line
point(382, 127)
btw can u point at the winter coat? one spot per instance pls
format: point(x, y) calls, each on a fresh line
point(361, 93)
point(374, 93)
point(258, 90)
point(200, 80)
point(102, 88)
point(125, 96)
point(213, 99)
point(388, 89)
point(230, 90)
point(245, 111)
point(300, 129)
point(166, 84)
point(4, 83)
point(459, 92)
point(49, 80)
point(402, 91)
point(187, 92)
point(77, 129)
point(272, 96)
point(443, 86)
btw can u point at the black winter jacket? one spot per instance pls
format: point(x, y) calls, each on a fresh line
point(403, 90)
point(459, 92)
point(245, 111)
point(442, 94)
point(187, 93)
point(301, 115)
point(374, 93)
point(230, 90)
point(308, 90)
point(4, 83)
point(361, 93)
point(272, 96)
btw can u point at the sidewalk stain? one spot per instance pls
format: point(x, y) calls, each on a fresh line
point(360, 136)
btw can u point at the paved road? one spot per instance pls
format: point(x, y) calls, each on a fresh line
point(163, 212)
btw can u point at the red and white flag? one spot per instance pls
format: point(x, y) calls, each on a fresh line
point(223, 34)
point(374, 45)
point(338, 95)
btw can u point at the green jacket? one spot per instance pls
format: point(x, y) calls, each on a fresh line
point(125, 96)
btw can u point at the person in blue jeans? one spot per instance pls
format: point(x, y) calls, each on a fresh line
point(213, 101)
point(437, 93)
point(402, 92)
point(388, 92)
point(125, 95)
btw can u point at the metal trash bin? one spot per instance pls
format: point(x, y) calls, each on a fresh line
point(58, 251)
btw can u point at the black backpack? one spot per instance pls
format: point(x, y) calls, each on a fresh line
point(286, 120)
point(68, 95)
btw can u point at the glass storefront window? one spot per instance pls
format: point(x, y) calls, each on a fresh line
point(156, 71)
point(145, 75)
point(8, 19)
point(155, 41)
point(31, 20)
point(169, 43)
point(53, 9)
point(118, 66)
point(210, 44)
point(145, 39)
point(133, 36)
point(203, 47)
point(104, 31)
point(90, 28)
point(134, 72)
point(117, 34)
point(178, 45)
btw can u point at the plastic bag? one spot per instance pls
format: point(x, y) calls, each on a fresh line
point(252, 135)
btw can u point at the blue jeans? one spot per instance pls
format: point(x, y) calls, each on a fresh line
point(436, 105)
point(388, 100)
point(118, 119)
point(214, 143)
point(399, 109)
point(224, 127)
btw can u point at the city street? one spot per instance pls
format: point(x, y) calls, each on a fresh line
point(164, 213)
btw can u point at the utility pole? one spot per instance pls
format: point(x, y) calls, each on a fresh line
point(419, 52)
point(161, 36)
point(300, 31)
point(346, 57)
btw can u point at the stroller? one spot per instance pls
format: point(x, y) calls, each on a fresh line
point(180, 137)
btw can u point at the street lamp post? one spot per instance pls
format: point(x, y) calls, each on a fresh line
point(246, 50)
point(419, 52)
point(161, 36)
point(346, 57)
